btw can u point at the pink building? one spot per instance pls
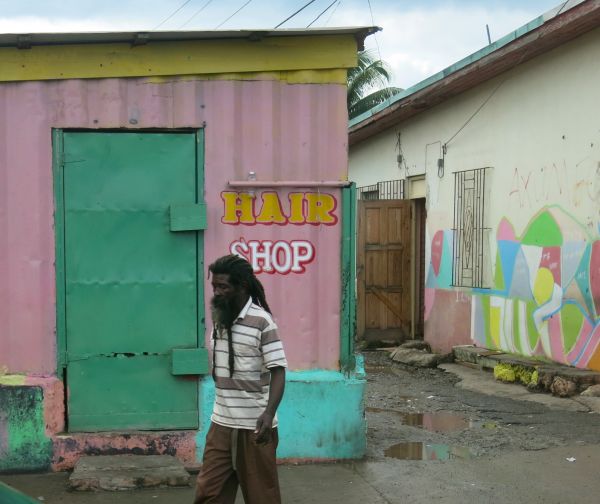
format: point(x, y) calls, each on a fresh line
point(130, 161)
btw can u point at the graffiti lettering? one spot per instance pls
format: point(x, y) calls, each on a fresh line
point(281, 256)
point(530, 189)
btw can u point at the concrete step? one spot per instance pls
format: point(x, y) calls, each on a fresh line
point(537, 374)
point(128, 472)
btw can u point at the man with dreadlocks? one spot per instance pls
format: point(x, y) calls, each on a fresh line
point(249, 374)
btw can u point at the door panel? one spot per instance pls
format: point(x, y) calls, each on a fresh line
point(130, 392)
point(131, 285)
point(372, 223)
point(384, 269)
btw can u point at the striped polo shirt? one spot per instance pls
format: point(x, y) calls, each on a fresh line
point(242, 398)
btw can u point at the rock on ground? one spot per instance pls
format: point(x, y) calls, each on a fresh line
point(418, 358)
point(593, 391)
point(563, 387)
point(416, 345)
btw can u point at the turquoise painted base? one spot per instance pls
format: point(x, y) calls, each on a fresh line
point(23, 442)
point(321, 415)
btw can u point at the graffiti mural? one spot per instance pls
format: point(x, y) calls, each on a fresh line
point(545, 298)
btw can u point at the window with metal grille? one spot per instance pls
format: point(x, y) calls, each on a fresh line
point(470, 267)
point(390, 189)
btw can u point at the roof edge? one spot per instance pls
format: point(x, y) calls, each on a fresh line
point(360, 127)
point(28, 40)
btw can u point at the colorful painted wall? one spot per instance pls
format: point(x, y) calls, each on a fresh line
point(545, 297)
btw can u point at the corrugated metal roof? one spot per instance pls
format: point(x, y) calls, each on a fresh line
point(25, 40)
point(419, 93)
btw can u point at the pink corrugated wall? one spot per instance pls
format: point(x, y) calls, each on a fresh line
point(280, 131)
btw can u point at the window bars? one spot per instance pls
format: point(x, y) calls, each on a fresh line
point(390, 189)
point(469, 248)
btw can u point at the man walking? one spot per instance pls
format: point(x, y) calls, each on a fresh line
point(249, 373)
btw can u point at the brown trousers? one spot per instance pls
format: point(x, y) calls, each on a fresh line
point(232, 457)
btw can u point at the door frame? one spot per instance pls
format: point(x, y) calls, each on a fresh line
point(58, 162)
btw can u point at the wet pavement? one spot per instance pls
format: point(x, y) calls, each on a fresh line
point(431, 438)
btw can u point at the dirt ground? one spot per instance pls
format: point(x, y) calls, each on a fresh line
point(472, 440)
point(491, 425)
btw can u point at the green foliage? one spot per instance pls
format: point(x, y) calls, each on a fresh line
point(504, 372)
point(512, 373)
point(368, 84)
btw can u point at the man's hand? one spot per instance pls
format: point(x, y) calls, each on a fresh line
point(263, 428)
point(264, 424)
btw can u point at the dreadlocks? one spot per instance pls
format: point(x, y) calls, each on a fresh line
point(239, 271)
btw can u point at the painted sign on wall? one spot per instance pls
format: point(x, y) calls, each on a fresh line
point(270, 208)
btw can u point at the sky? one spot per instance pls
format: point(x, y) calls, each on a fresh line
point(419, 37)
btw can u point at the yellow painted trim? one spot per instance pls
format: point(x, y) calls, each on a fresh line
point(12, 380)
point(93, 61)
point(335, 76)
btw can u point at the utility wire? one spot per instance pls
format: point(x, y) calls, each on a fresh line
point(390, 93)
point(221, 24)
point(295, 13)
point(196, 13)
point(322, 12)
point(445, 145)
point(475, 113)
point(374, 35)
point(333, 12)
point(172, 14)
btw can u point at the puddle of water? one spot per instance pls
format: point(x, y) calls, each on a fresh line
point(441, 421)
point(426, 451)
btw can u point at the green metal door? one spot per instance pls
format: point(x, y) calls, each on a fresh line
point(132, 285)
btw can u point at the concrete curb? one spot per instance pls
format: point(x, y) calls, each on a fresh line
point(542, 376)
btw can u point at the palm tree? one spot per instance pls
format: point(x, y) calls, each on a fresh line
point(368, 84)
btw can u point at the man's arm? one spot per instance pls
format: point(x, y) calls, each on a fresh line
point(265, 421)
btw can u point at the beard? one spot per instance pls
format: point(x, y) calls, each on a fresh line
point(223, 311)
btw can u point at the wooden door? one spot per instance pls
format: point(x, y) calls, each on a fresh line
point(384, 270)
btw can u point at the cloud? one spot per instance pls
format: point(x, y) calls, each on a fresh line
point(420, 42)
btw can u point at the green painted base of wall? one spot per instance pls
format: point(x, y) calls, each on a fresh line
point(321, 416)
point(23, 442)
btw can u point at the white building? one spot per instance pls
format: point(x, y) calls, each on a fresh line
point(502, 151)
